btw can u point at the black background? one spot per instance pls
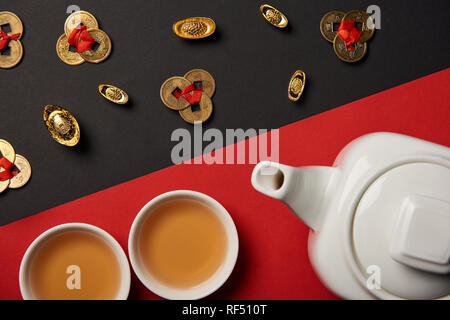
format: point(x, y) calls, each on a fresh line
point(251, 61)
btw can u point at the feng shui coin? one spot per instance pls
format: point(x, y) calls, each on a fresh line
point(15, 55)
point(207, 81)
point(4, 185)
point(113, 93)
point(367, 23)
point(24, 174)
point(273, 16)
point(194, 28)
point(296, 85)
point(205, 107)
point(77, 18)
point(102, 51)
point(7, 150)
point(64, 53)
point(340, 48)
point(15, 24)
point(329, 23)
point(62, 125)
point(168, 88)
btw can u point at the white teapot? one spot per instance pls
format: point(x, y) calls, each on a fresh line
point(379, 218)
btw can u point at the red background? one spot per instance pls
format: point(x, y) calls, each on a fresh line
point(273, 261)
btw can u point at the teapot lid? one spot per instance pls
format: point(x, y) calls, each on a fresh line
point(401, 228)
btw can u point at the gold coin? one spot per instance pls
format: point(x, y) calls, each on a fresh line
point(104, 49)
point(194, 28)
point(24, 174)
point(329, 20)
point(64, 53)
point(15, 24)
point(113, 93)
point(167, 89)
point(4, 185)
point(200, 115)
point(273, 16)
point(7, 151)
point(77, 18)
point(206, 79)
point(296, 85)
point(368, 25)
point(340, 48)
point(14, 57)
point(62, 125)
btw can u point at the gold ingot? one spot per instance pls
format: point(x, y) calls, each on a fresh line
point(79, 17)
point(64, 53)
point(167, 89)
point(203, 76)
point(296, 85)
point(327, 22)
point(201, 115)
point(104, 49)
point(24, 174)
point(15, 24)
point(340, 48)
point(62, 125)
point(368, 24)
point(273, 16)
point(194, 28)
point(113, 93)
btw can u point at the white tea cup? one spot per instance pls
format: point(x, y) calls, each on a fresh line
point(25, 266)
point(212, 283)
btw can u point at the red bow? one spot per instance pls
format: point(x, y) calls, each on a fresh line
point(5, 39)
point(7, 165)
point(185, 93)
point(349, 33)
point(81, 33)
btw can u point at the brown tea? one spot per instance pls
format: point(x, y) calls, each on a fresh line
point(182, 243)
point(75, 265)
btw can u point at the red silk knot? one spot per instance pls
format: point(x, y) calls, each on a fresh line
point(349, 33)
point(185, 93)
point(5, 39)
point(7, 173)
point(81, 39)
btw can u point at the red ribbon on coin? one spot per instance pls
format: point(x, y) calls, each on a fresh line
point(186, 94)
point(7, 173)
point(81, 33)
point(5, 39)
point(349, 33)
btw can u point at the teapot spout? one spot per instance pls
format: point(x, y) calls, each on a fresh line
point(305, 190)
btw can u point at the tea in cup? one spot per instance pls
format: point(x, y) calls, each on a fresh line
point(74, 261)
point(183, 245)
